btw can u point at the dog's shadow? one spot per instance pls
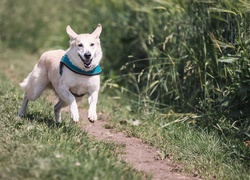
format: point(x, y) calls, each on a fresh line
point(43, 119)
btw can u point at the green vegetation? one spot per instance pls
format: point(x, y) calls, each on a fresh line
point(206, 154)
point(184, 64)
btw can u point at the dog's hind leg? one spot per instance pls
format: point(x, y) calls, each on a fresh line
point(22, 111)
point(57, 110)
point(33, 86)
point(36, 86)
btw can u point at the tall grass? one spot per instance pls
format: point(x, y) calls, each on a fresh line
point(194, 57)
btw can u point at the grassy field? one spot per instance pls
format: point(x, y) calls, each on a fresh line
point(35, 147)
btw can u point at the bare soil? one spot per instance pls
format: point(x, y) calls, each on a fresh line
point(140, 155)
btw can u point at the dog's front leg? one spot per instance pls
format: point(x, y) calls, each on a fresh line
point(74, 114)
point(70, 100)
point(93, 98)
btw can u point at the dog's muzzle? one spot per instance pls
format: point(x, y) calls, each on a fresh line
point(86, 60)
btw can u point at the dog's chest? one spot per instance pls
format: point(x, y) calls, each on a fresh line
point(81, 84)
point(85, 84)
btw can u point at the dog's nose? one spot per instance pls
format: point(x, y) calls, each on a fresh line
point(87, 55)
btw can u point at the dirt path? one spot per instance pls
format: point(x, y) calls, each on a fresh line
point(141, 156)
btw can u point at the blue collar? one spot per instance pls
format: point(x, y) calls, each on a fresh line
point(66, 61)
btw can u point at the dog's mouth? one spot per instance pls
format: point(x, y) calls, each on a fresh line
point(86, 62)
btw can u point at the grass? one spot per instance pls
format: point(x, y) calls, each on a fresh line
point(206, 154)
point(34, 147)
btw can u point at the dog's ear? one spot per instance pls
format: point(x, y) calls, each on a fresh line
point(97, 31)
point(71, 33)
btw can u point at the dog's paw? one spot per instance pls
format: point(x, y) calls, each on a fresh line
point(92, 116)
point(58, 117)
point(21, 113)
point(74, 114)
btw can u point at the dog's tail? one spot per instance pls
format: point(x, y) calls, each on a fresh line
point(24, 84)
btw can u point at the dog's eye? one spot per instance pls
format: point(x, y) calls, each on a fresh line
point(80, 45)
point(92, 44)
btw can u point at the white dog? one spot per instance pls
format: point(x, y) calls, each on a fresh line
point(71, 74)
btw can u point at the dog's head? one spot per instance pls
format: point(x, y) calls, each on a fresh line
point(85, 49)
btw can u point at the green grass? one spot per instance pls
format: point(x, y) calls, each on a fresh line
point(208, 154)
point(35, 147)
